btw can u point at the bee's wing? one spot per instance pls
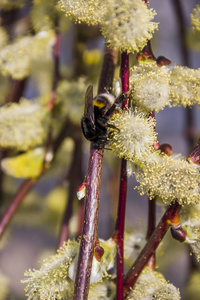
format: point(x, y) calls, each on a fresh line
point(89, 107)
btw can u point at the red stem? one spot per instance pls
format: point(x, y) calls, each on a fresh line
point(89, 231)
point(56, 77)
point(150, 246)
point(22, 192)
point(92, 199)
point(74, 175)
point(189, 111)
point(119, 228)
point(151, 228)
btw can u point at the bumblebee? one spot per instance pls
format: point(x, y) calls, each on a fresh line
point(97, 113)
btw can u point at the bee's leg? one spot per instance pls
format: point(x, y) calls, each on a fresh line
point(122, 97)
point(112, 126)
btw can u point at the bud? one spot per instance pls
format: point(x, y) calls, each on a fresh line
point(166, 149)
point(98, 252)
point(179, 233)
point(163, 61)
point(195, 155)
point(81, 191)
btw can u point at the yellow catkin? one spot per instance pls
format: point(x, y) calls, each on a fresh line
point(152, 285)
point(88, 11)
point(133, 137)
point(127, 25)
point(150, 85)
point(195, 18)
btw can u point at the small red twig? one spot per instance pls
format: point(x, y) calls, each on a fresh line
point(166, 221)
point(74, 176)
point(20, 195)
point(93, 180)
point(118, 234)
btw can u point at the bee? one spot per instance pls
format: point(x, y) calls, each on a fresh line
point(97, 112)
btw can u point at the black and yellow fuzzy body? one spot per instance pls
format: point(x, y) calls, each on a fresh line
point(97, 113)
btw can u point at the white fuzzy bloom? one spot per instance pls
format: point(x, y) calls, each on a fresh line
point(133, 244)
point(152, 285)
point(150, 85)
point(99, 269)
point(195, 18)
point(87, 11)
point(127, 25)
point(134, 135)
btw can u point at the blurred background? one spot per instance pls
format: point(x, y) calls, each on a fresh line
point(33, 232)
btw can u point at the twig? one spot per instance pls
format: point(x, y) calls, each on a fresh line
point(151, 246)
point(56, 58)
point(74, 176)
point(190, 129)
point(29, 183)
point(150, 228)
point(89, 232)
point(118, 234)
point(20, 195)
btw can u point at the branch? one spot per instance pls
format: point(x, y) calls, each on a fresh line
point(151, 245)
point(93, 180)
point(20, 195)
point(118, 234)
point(74, 175)
point(178, 9)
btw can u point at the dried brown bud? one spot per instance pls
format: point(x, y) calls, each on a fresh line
point(162, 61)
point(179, 233)
point(156, 146)
point(139, 56)
point(195, 155)
point(166, 149)
point(98, 252)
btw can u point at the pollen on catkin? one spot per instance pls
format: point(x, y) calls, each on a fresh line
point(71, 92)
point(127, 25)
point(86, 11)
point(170, 178)
point(55, 278)
point(23, 125)
point(11, 4)
point(152, 285)
point(185, 86)
point(18, 58)
point(52, 281)
point(134, 135)
point(195, 18)
point(150, 85)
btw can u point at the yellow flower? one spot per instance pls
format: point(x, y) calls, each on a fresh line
point(69, 98)
point(127, 25)
point(25, 165)
point(18, 59)
point(150, 85)
point(134, 135)
point(133, 244)
point(23, 125)
point(185, 86)
point(55, 279)
point(87, 11)
point(195, 17)
point(170, 178)
point(11, 4)
point(152, 285)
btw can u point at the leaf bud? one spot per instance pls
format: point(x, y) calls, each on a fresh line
point(166, 149)
point(179, 233)
point(81, 191)
point(163, 61)
point(98, 252)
